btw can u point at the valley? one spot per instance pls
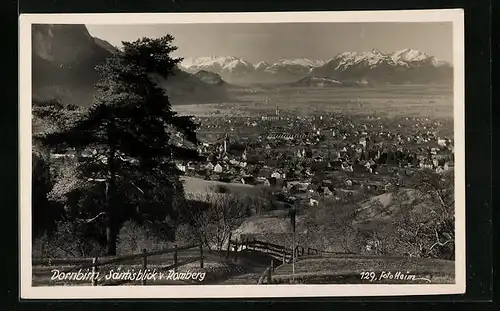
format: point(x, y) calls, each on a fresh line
point(388, 101)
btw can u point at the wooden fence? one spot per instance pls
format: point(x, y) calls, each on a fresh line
point(188, 254)
point(96, 263)
point(276, 252)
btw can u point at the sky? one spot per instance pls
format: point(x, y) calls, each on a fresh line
point(273, 41)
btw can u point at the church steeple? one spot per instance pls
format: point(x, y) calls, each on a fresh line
point(277, 110)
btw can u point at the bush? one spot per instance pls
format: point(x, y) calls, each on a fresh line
point(213, 216)
point(134, 237)
point(185, 235)
point(68, 241)
point(221, 189)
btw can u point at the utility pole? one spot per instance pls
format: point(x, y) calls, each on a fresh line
point(292, 214)
point(293, 222)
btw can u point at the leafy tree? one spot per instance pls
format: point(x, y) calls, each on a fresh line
point(44, 213)
point(125, 140)
point(49, 116)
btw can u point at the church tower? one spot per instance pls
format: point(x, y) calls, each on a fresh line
point(277, 111)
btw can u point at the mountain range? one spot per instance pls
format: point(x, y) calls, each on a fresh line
point(64, 58)
point(374, 67)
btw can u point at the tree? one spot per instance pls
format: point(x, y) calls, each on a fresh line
point(214, 216)
point(423, 223)
point(431, 230)
point(49, 116)
point(44, 214)
point(124, 141)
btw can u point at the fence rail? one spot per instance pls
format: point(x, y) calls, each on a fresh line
point(191, 253)
point(276, 252)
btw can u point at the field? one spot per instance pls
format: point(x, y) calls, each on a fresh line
point(198, 185)
point(347, 269)
point(382, 101)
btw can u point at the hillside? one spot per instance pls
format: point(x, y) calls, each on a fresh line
point(64, 61)
point(197, 185)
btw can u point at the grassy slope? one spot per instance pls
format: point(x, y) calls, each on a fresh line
point(347, 269)
point(198, 185)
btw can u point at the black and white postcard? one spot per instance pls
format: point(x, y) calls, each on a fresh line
point(242, 154)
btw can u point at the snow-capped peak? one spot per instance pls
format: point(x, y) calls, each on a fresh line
point(409, 55)
point(347, 59)
point(305, 62)
point(261, 65)
point(374, 58)
point(208, 61)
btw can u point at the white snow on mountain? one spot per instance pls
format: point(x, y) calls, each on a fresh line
point(230, 63)
point(262, 65)
point(305, 62)
point(345, 64)
point(348, 59)
point(298, 66)
point(343, 61)
point(408, 55)
point(215, 63)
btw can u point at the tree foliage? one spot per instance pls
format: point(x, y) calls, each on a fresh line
point(124, 148)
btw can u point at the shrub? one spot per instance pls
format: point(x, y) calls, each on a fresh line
point(185, 235)
point(68, 241)
point(134, 237)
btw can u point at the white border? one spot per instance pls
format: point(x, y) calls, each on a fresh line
point(456, 16)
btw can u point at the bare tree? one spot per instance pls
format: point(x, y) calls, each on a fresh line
point(214, 216)
point(424, 225)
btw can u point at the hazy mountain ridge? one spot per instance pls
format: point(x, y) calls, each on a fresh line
point(64, 58)
point(402, 66)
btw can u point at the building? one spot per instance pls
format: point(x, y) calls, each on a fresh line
point(218, 168)
point(209, 167)
point(181, 167)
point(275, 117)
point(362, 142)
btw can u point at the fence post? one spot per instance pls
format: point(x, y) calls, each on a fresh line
point(228, 245)
point(175, 257)
point(144, 265)
point(236, 252)
point(201, 256)
point(270, 273)
point(284, 256)
point(94, 271)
